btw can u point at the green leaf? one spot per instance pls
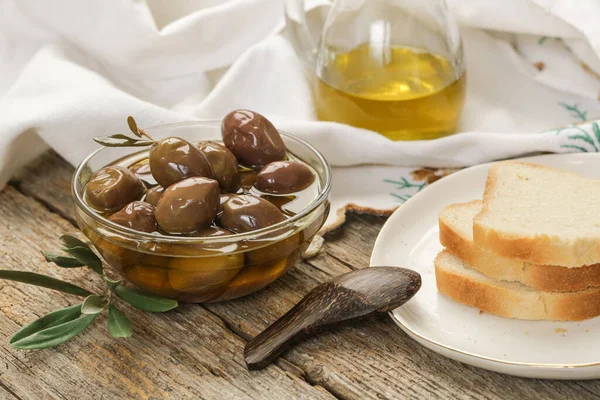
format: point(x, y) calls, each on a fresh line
point(133, 126)
point(585, 137)
point(61, 261)
point(43, 281)
point(144, 301)
point(120, 140)
point(118, 324)
point(70, 242)
point(54, 335)
point(570, 146)
point(596, 131)
point(86, 256)
point(49, 320)
point(93, 304)
point(112, 284)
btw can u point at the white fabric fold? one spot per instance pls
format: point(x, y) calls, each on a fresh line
point(71, 70)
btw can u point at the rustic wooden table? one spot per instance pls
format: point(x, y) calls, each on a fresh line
point(196, 351)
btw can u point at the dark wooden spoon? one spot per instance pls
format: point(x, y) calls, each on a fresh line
point(348, 296)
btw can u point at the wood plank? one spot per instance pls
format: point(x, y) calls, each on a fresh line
point(370, 359)
point(186, 353)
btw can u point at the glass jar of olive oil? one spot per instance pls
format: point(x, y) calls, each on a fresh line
point(392, 66)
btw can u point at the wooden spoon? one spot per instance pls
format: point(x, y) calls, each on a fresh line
point(348, 296)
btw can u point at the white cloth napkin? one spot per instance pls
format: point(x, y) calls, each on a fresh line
point(71, 70)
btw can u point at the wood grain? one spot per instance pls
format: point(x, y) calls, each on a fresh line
point(372, 359)
point(187, 353)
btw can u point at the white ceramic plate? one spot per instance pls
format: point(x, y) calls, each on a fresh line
point(536, 349)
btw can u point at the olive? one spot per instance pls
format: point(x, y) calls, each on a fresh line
point(284, 177)
point(194, 274)
point(213, 231)
point(252, 138)
point(113, 187)
point(245, 213)
point(188, 205)
point(154, 194)
point(224, 165)
point(174, 159)
point(248, 178)
point(136, 215)
point(152, 279)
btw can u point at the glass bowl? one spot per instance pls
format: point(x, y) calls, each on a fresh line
point(201, 269)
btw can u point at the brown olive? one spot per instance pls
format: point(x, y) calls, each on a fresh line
point(248, 178)
point(224, 165)
point(136, 215)
point(284, 177)
point(174, 159)
point(154, 194)
point(188, 205)
point(252, 138)
point(213, 231)
point(113, 187)
point(245, 213)
point(204, 273)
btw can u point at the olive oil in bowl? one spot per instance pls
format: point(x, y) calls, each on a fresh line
point(402, 93)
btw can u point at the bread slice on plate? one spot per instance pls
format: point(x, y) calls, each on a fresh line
point(460, 282)
point(539, 215)
point(456, 235)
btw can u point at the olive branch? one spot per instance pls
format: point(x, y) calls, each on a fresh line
point(61, 325)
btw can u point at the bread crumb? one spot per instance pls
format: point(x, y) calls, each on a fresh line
point(480, 312)
point(560, 330)
point(526, 333)
point(587, 330)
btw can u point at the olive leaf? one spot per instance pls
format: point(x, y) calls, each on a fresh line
point(70, 242)
point(112, 284)
point(62, 261)
point(120, 140)
point(49, 320)
point(44, 281)
point(133, 126)
point(86, 256)
point(145, 301)
point(93, 304)
point(118, 324)
point(55, 334)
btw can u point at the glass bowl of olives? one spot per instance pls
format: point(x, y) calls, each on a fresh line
point(203, 211)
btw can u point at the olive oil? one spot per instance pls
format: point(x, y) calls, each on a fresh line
point(399, 92)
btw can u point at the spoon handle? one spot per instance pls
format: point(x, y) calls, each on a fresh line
point(349, 296)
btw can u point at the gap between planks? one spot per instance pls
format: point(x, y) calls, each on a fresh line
point(280, 362)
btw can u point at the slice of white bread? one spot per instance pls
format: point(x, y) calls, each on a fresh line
point(456, 235)
point(461, 283)
point(539, 215)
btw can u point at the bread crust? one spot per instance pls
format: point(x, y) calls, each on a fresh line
point(548, 278)
point(507, 300)
point(539, 249)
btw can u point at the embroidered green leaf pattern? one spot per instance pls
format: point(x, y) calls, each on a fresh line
point(404, 189)
point(596, 130)
point(583, 138)
point(575, 111)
